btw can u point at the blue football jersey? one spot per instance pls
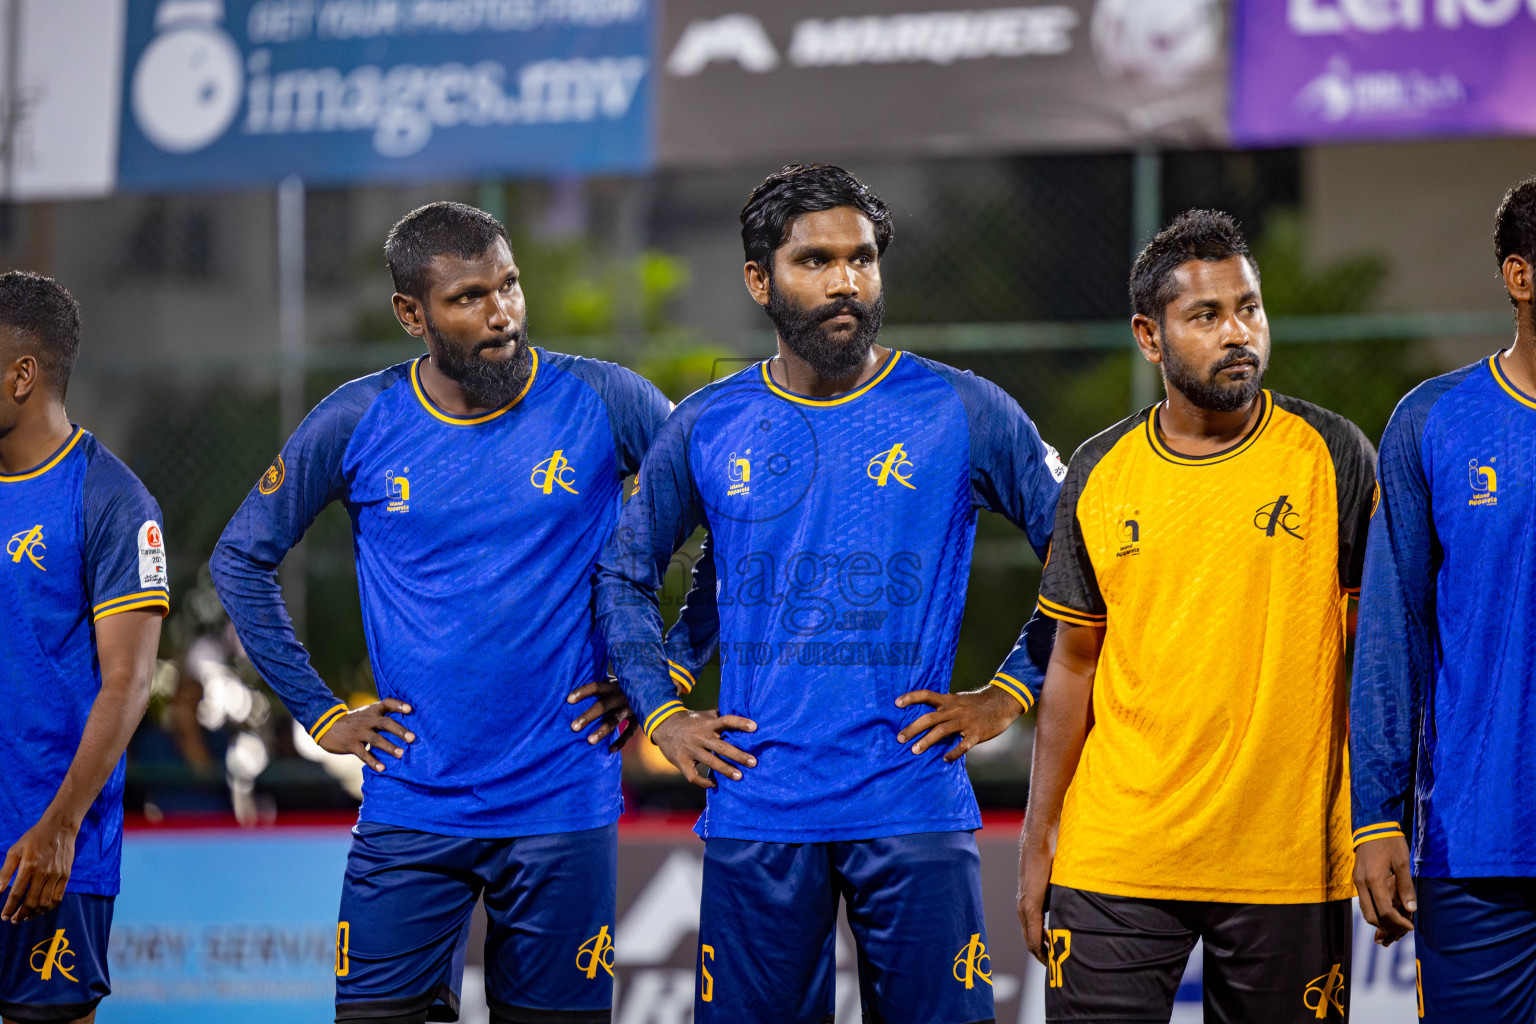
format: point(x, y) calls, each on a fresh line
point(840, 538)
point(475, 542)
point(83, 542)
point(1443, 713)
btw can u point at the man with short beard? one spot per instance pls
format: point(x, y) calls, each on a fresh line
point(482, 480)
point(839, 482)
point(1189, 776)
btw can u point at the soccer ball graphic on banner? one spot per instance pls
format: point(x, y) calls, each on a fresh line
point(188, 84)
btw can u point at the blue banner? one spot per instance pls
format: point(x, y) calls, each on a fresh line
point(230, 92)
point(227, 926)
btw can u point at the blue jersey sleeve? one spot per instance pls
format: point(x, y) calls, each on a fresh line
point(636, 409)
point(1395, 637)
point(664, 510)
point(1017, 475)
point(693, 638)
point(306, 476)
point(125, 566)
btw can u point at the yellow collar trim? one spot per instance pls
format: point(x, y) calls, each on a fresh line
point(1222, 456)
point(57, 458)
point(1514, 392)
point(890, 364)
point(459, 421)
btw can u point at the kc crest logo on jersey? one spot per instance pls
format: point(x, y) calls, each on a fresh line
point(739, 473)
point(596, 953)
point(28, 544)
point(891, 464)
point(1278, 515)
point(555, 471)
point(273, 478)
point(1485, 483)
point(973, 962)
point(1325, 993)
point(398, 490)
point(49, 956)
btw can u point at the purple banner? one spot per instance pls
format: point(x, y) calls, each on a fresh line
point(1326, 70)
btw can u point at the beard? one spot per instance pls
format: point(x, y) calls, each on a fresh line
point(489, 383)
point(1206, 390)
point(801, 329)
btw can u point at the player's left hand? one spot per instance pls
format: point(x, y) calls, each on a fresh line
point(37, 868)
point(611, 706)
point(977, 716)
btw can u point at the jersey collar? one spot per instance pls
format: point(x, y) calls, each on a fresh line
point(1504, 382)
point(890, 363)
point(1265, 415)
point(53, 460)
point(460, 421)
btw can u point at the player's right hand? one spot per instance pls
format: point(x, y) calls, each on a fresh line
point(362, 731)
point(1387, 896)
point(692, 738)
point(37, 869)
point(1035, 861)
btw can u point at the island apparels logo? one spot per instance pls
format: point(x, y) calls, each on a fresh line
point(1485, 483)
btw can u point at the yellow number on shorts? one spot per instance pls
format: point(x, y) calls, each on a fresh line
point(1054, 962)
point(708, 995)
point(343, 940)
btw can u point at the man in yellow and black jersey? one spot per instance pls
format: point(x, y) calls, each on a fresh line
point(1190, 775)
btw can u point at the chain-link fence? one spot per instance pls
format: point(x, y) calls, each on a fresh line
point(1014, 268)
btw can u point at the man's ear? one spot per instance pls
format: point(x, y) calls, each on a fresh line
point(1149, 338)
point(759, 282)
point(409, 312)
point(1519, 278)
point(23, 378)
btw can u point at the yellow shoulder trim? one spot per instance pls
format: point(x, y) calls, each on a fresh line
point(1071, 615)
point(133, 597)
point(1498, 375)
point(57, 458)
point(162, 603)
point(459, 421)
point(890, 364)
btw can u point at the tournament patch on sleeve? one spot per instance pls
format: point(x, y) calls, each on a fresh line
point(152, 571)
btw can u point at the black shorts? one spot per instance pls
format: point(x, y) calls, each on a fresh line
point(1119, 958)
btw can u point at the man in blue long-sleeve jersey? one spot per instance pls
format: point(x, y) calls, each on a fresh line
point(839, 482)
point(482, 480)
point(1443, 711)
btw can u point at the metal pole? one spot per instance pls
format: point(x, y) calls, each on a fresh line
point(1146, 217)
point(10, 116)
point(290, 386)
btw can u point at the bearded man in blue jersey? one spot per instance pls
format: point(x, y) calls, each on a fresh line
point(1443, 711)
point(83, 587)
point(839, 482)
point(482, 479)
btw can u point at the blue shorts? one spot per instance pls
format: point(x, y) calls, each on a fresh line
point(769, 914)
point(54, 967)
point(405, 913)
point(1476, 945)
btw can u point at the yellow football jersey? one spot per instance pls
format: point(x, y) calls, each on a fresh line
point(1216, 763)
